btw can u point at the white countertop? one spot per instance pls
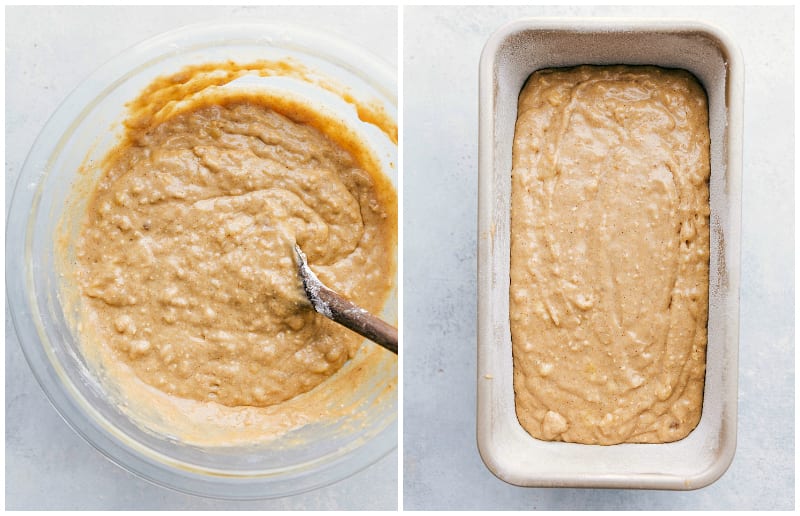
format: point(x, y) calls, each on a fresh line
point(49, 51)
point(442, 468)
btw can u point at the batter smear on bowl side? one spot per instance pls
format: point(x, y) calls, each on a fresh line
point(186, 260)
point(610, 254)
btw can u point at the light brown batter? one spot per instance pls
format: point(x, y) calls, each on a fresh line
point(610, 254)
point(186, 263)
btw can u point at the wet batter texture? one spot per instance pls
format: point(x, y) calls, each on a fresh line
point(186, 262)
point(610, 254)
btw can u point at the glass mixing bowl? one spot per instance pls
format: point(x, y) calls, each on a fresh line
point(85, 127)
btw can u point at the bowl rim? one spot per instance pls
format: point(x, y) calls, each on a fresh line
point(20, 294)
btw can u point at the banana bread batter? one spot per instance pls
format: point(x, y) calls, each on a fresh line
point(186, 263)
point(610, 254)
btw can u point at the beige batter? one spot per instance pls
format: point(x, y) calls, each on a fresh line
point(186, 265)
point(610, 254)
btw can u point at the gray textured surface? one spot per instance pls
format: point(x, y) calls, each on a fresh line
point(48, 52)
point(442, 468)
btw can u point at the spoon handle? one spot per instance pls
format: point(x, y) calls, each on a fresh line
point(333, 306)
point(352, 316)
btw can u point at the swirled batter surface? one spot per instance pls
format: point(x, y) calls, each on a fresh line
point(186, 259)
point(610, 254)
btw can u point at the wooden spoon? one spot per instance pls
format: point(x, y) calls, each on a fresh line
point(336, 308)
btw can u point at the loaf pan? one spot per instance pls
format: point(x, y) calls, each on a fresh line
point(510, 55)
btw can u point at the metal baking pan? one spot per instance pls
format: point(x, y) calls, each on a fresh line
point(510, 55)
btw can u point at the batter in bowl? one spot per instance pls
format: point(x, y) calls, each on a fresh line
point(185, 262)
point(610, 254)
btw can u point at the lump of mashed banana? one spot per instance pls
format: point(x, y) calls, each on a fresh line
point(610, 254)
point(186, 263)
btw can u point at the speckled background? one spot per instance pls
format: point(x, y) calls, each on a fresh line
point(49, 51)
point(442, 468)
